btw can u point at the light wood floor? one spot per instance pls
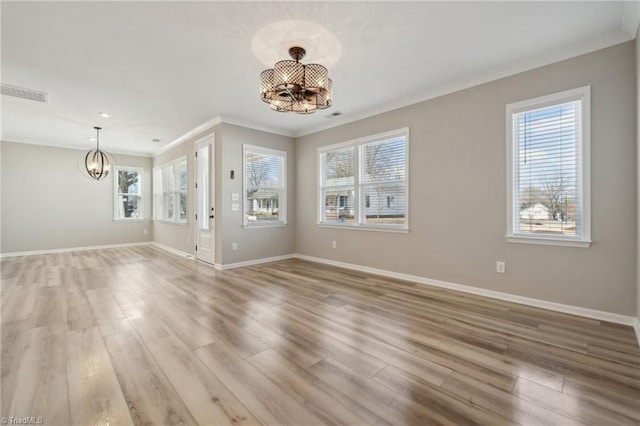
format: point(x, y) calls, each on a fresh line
point(137, 335)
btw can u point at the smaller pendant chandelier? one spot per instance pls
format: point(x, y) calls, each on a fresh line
point(293, 87)
point(96, 161)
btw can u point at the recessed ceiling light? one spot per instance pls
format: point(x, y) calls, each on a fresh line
point(105, 115)
point(91, 139)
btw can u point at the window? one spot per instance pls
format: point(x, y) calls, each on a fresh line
point(128, 193)
point(264, 183)
point(364, 183)
point(170, 191)
point(548, 169)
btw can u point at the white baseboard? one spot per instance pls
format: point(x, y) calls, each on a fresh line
point(636, 327)
point(221, 266)
point(253, 262)
point(65, 250)
point(552, 306)
point(173, 250)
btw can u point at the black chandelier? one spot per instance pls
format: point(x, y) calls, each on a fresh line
point(292, 87)
point(96, 162)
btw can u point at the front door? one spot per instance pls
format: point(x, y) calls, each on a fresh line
point(205, 198)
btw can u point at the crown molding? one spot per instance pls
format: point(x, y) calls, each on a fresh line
point(209, 124)
point(82, 148)
point(565, 52)
point(261, 127)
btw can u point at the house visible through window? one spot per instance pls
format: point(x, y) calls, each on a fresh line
point(264, 182)
point(390, 202)
point(363, 183)
point(549, 169)
point(170, 191)
point(128, 193)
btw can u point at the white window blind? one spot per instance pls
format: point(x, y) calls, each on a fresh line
point(363, 183)
point(169, 194)
point(264, 182)
point(157, 193)
point(337, 182)
point(181, 191)
point(383, 180)
point(548, 168)
point(170, 191)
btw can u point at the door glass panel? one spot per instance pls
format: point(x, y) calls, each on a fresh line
point(203, 187)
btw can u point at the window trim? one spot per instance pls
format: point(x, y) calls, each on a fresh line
point(582, 94)
point(360, 201)
point(175, 190)
point(116, 193)
point(282, 200)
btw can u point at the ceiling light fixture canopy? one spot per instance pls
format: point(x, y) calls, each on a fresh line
point(96, 162)
point(293, 87)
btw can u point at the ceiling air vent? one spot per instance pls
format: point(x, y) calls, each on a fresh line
point(21, 92)
point(334, 114)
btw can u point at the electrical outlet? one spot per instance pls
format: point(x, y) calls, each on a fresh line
point(333, 244)
point(500, 267)
point(234, 246)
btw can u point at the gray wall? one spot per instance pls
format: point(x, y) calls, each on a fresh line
point(458, 191)
point(48, 202)
point(252, 243)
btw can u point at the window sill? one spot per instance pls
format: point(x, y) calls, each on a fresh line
point(365, 228)
point(171, 222)
point(264, 225)
point(549, 241)
point(128, 220)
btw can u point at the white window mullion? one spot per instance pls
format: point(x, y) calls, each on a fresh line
point(170, 191)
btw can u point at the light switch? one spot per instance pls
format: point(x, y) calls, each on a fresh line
point(235, 196)
point(235, 207)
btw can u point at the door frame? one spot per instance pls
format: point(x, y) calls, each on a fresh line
point(211, 140)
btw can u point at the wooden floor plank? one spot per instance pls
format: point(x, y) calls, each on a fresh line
point(567, 405)
point(269, 403)
point(183, 325)
point(445, 404)
point(503, 403)
point(204, 395)
point(41, 389)
point(379, 399)
point(314, 394)
point(103, 305)
point(149, 395)
point(49, 307)
point(14, 336)
point(94, 392)
point(19, 303)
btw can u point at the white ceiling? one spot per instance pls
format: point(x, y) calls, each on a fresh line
point(164, 68)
